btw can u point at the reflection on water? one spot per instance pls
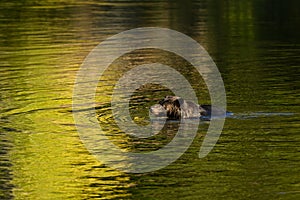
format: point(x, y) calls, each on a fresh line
point(255, 45)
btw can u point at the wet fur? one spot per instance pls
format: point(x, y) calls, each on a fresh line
point(177, 108)
point(174, 107)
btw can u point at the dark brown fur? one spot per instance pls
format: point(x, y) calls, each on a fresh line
point(174, 107)
point(177, 108)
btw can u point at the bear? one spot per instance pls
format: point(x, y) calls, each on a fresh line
point(175, 108)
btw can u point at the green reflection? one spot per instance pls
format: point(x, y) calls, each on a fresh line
point(255, 45)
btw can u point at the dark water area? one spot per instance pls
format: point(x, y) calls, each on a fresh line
point(256, 47)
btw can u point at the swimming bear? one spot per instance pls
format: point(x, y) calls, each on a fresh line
point(174, 108)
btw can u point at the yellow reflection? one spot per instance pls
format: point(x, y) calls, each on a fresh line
point(49, 160)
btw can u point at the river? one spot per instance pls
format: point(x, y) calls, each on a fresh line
point(256, 47)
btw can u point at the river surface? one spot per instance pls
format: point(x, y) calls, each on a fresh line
point(256, 47)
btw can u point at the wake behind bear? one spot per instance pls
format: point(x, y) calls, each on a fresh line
point(175, 108)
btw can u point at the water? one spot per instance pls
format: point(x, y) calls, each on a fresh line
point(256, 46)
